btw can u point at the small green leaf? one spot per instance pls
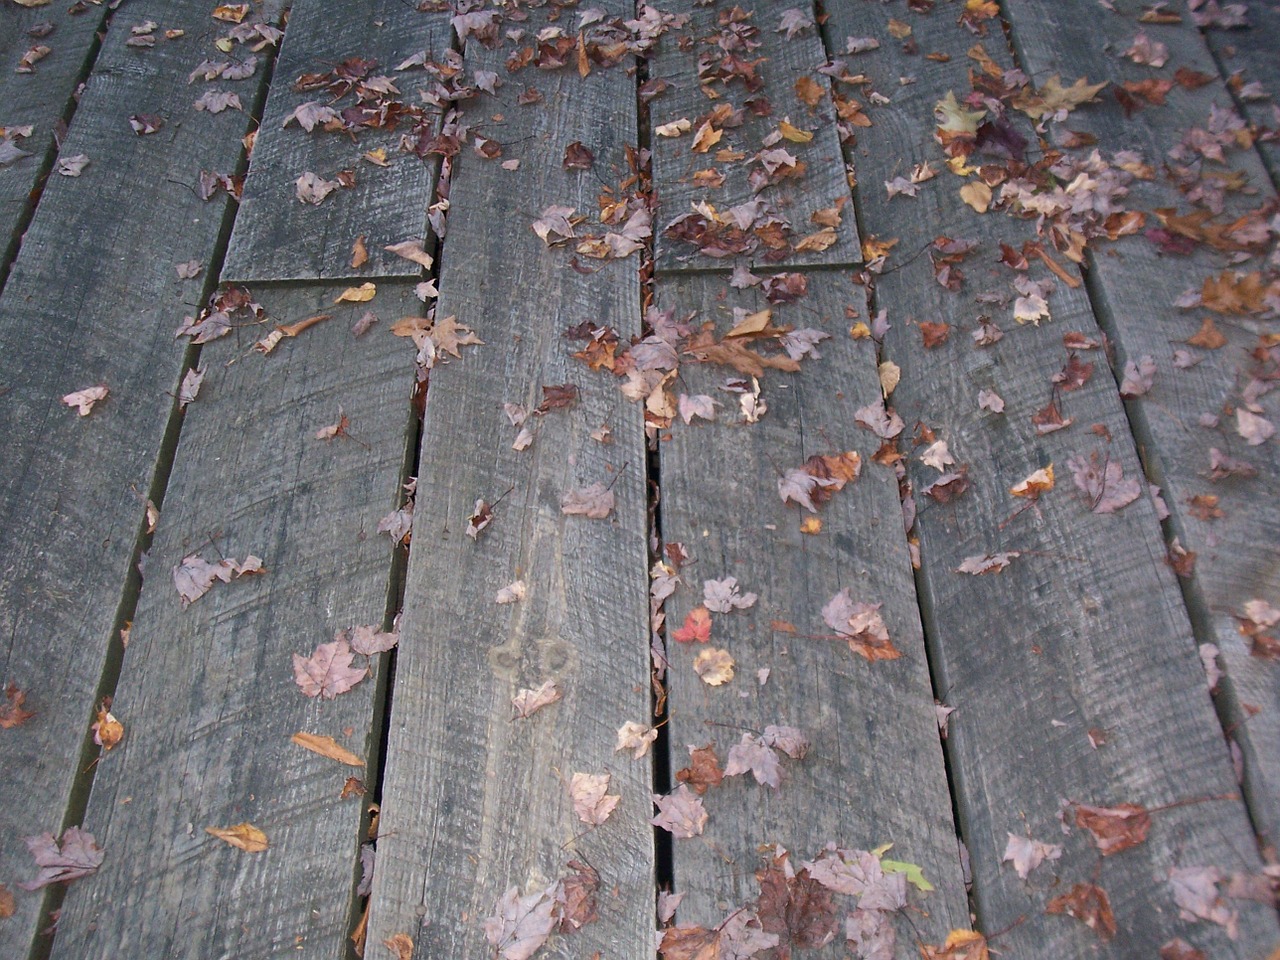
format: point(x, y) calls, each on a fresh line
point(915, 875)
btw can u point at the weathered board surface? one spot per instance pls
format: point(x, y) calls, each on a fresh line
point(277, 236)
point(874, 773)
point(93, 298)
point(1073, 672)
point(474, 801)
point(1135, 287)
point(780, 63)
point(38, 98)
point(1251, 53)
point(207, 693)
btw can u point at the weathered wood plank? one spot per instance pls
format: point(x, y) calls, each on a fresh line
point(475, 802)
point(1251, 52)
point(874, 773)
point(1073, 672)
point(38, 98)
point(277, 236)
point(779, 64)
point(93, 298)
point(207, 693)
point(1135, 288)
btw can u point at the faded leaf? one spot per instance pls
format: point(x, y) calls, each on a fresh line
point(312, 189)
point(1103, 483)
point(401, 945)
point(1089, 904)
point(861, 625)
point(1195, 892)
point(1254, 429)
point(1027, 854)
point(591, 800)
point(83, 400)
point(361, 294)
point(74, 856)
point(12, 713)
point(190, 388)
point(681, 813)
point(411, 250)
point(1114, 828)
point(714, 666)
point(327, 747)
point(511, 593)
point(244, 836)
point(528, 701)
point(981, 563)
point(636, 737)
point(194, 576)
point(327, 672)
point(369, 640)
point(596, 502)
point(723, 596)
point(520, 925)
point(752, 755)
point(1036, 483)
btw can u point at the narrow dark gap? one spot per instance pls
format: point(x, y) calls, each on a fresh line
point(936, 661)
point(663, 842)
point(1239, 105)
point(9, 255)
point(397, 582)
point(82, 786)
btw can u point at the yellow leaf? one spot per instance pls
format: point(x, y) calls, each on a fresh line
point(859, 331)
point(953, 118)
point(245, 836)
point(1034, 485)
point(890, 374)
point(231, 12)
point(377, 157)
point(401, 945)
point(977, 195)
point(794, 134)
point(811, 525)
point(899, 30)
point(361, 294)
point(714, 666)
point(327, 747)
point(816, 241)
point(752, 323)
point(707, 137)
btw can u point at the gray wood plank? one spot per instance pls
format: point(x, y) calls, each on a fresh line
point(874, 773)
point(474, 801)
point(1135, 287)
point(93, 298)
point(1073, 672)
point(278, 237)
point(784, 62)
point(207, 693)
point(1251, 53)
point(39, 98)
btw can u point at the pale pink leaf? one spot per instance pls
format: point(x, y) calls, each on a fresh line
point(83, 400)
point(591, 799)
point(327, 672)
point(595, 502)
point(681, 813)
point(76, 855)
point(723, 596)
point(529, 701)
point(520, 925)
point(1027, 854)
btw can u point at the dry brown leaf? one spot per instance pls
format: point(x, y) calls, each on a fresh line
point(359, 254)
point(977, 195)
point(401, 945)
point(107, 730)
point(244, 836)
point(361, 294)
point(714, 666)
point(326, 747)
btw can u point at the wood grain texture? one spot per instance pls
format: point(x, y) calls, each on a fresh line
point(674, 161)
point(93, 298)
point(1086, 630)
point(1250, 52)
point(874, 773)
point(475, 801)
point(1135, 287)
point(277, 237)
point(207, 693)
point(39, 98)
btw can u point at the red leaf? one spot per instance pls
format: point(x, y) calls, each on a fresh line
point(697, 627)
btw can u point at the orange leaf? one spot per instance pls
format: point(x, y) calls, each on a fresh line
point(327, 747)
point(245, 836)
point(697, 627)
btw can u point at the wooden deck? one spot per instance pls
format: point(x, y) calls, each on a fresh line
point(855, 423)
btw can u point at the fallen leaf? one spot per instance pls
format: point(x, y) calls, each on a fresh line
point(369, 640)
point(636, 737)
point(528, 701)
point(681, 813)
point(411, 250)
point(511, 593)
point(8, 906)
point(12, 713)
point(1091, 905)
point(703, 771)
point(596, 502)
point(1195, 892)
point(1254, 429)
point(190, 387)
point(328, 672)
point(520, 925)
point(959, 945)
point(244, 836)
point(107, 730)
point(723, 596)
point(1041, 481)
point(359, 254)
point(977, 195)
point(83, 400)
point(481, 517)
point(361, 294)
point(696, 628)
point(327, 747)
point(1114, 828)
point(1027, 854)
point(752, 755)
point(194, 576)
point(591, 800)
point(1103, 483)
point(861, 625)
point(72, 166)
point(987, 562)
point(714, 666)
point(401, 945)
point(75, 855)
point(312, 189)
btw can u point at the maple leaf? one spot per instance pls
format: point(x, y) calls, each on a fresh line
point(875, 418)
point(703, 771)
point(398, 524)
point(310, 114)
point(195, 576)
point(861, 625)
point(714, 666)
point(690, 942)
point(596, 502)
point(1103, 483)
point(752, 755)
point(680, 813)
point(1090, 904)
point(795, 906)
point(959, 945)
point(1196, 894)
point(529, 701)
point(1038, 482)
point(12, 713)
point(75, 855)
point(636, 737)
point(1027, 854)
point(520, 925)
point(1259, 616)
point(555, 225)
point(312, 189)
point(1148, 52)
point(699, 405)
point(400, 944)
point(84, 400)
point(369, 640)
point(190, 387)
point(697, 627)
point(1139, 376)
point(1179, 949)
point(327, 672)
point(576, 897)
point(591, 800)
point(723, 596)
point(1114, 828)
point(1054, 100)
